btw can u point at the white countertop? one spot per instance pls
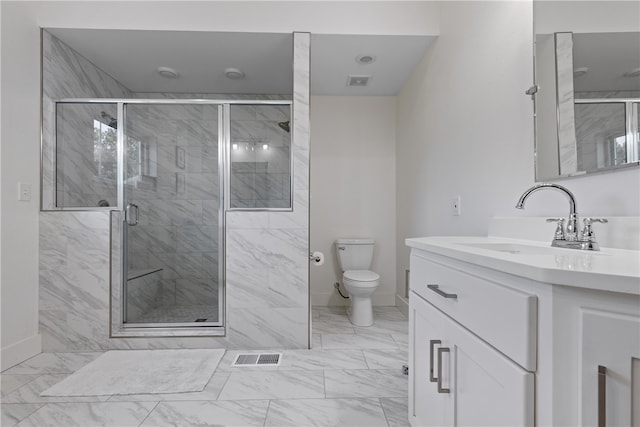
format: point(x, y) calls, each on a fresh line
point(616, 270)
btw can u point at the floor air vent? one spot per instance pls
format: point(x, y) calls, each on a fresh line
point(258, 359)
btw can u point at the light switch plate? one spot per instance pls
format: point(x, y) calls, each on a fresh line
point(24, 191)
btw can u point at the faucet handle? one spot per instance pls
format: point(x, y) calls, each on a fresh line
point(591, 220)
point(587, 231)
point(559, 233)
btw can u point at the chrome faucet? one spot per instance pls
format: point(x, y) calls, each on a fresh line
point(570, 236)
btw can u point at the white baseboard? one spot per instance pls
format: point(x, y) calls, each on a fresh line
point(16, 353)
point(403, 305)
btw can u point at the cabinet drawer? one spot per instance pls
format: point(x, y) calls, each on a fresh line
point(504, 317)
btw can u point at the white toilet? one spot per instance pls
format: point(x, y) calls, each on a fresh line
point(355, 257)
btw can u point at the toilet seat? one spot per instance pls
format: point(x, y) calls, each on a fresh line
point(360, 278)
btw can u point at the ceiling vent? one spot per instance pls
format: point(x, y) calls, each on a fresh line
point(360, 81)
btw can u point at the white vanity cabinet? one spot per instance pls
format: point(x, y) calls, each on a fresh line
point(603, 350)
point(521, 340)
point(608, 357)
point(458, 379)
point(456, 376)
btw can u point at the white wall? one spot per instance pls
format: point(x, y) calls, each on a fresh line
point(20, 163)
point(586, 16)
point(20, 86)
point(465, 128)
point(353, 171)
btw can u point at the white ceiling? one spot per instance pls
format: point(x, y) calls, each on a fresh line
point(608, 56)
point(132, 57)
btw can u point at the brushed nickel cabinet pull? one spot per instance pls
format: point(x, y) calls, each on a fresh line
point(602, 396)
point(436, 289)
point(431, 344)
point(440, 388)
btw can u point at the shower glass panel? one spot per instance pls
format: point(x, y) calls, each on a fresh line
point(86, 155)
point(260, 157)
point(173, 216)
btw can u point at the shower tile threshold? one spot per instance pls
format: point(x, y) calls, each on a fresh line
point(345, 384)
point(180, 314)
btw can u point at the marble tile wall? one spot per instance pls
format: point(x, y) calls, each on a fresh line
point(74, 287)
point(566, 119)
point(67, 74)
point(260, 178)
point(267, 262)
point(267, 252)
point(84, 176)
point(144, 294)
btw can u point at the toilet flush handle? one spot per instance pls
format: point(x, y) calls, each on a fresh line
point(341, 248)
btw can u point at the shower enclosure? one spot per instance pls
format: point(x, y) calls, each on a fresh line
point(168, 170)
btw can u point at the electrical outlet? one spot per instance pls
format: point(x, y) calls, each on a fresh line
point(456, 209)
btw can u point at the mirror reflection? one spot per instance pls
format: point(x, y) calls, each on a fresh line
point(588, 87)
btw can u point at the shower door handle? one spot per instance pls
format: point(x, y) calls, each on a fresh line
point(132, 214)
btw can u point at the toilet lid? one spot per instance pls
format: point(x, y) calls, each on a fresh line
point(361, 275)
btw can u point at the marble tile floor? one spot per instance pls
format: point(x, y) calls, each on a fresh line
point(351, 377)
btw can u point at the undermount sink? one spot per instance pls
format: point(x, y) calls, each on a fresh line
point(517, 248)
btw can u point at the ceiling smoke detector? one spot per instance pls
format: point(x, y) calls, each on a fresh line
point(580, 71)
point(365, 59)
point(358, 81)
point(234, 74)
point(167, 72)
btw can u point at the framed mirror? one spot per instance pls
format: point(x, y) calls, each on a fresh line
point(587, 87)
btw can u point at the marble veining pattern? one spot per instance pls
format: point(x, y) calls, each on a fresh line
point(122, 414)
point(326, 412)
point(317, 387)
point(67, 74)
point(565, 100)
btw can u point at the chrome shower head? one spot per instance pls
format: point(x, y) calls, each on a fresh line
point(284, 126)
point(110, 120)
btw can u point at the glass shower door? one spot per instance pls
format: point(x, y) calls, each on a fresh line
point(173, 216)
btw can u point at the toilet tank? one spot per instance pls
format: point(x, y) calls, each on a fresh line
point(354, 254)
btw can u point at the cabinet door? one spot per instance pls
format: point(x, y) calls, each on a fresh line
point(484, 387)
point(426, 405)
point(487, 387)
point(611, 341)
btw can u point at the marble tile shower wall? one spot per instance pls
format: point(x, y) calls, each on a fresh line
point(78, 180)
point(67, 74)
point(267, 252)
point(267, 265)
point(260, 178)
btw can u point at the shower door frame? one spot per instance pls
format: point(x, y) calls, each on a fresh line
point(118, 269)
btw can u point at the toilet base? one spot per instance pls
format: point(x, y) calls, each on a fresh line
point(361, 311)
